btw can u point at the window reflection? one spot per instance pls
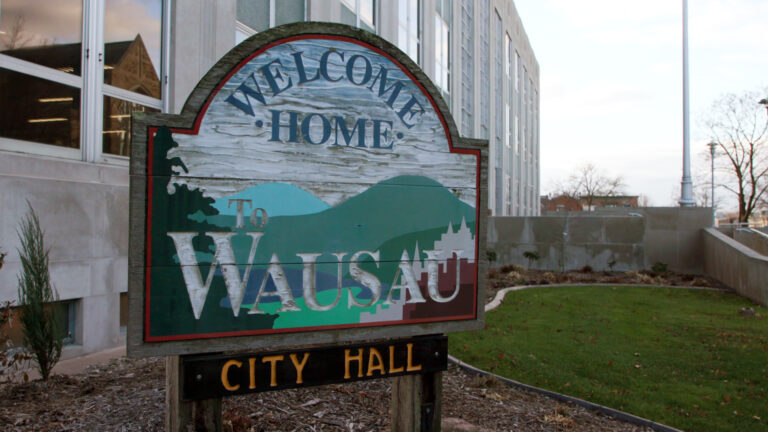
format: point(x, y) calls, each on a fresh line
point(39, 110)
point(117, 125)
point(46, 32)
point(132, 42)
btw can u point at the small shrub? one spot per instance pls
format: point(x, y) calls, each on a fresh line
point(531, 256)
point(660, 267)
point(586, 269)
point(611, 264)
point(43, 333)
point(491, 255)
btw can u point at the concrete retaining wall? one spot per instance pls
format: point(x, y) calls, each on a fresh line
point(568, 242)
point(753, 239)
point(736, 265)
point(631, 240)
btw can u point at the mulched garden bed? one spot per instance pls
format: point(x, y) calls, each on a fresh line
point(129, 395)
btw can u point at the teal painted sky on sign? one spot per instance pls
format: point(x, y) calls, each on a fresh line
point(278, 199)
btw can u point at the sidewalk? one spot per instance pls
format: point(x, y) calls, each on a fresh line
point(76, 365)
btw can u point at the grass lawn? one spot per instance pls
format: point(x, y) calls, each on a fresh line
point(681, 357)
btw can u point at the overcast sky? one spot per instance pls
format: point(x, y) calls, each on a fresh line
point(611, 82)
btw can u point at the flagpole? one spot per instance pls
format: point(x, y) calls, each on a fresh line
point(686, 185)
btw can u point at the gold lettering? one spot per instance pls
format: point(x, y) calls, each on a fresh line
point(392, 368)
point(375, 354)
point(348, 359)
point(252, 369)
point(225, 377)
point(272, 360)
point(410, 367)
point(299, 366)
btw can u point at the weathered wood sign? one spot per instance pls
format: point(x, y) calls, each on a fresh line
point(213, 376)
point(314, 189)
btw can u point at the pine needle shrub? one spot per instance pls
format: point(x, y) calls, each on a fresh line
point(43, 332)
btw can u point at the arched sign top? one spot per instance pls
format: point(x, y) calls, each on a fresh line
point(332, 98)
point(313, 186)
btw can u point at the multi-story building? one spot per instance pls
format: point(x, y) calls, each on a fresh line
point(72, 71)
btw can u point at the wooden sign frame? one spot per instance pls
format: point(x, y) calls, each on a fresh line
point(215, 376)
point(145, 128)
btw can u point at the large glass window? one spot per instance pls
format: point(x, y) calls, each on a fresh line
point(44, 32)
point(519, 104)
point(255, 16)
point(499, 113)
point(132, 45)
point(485, 69)
point(409, 28)
point(467, 68)
point(443, 46)
point(39, 110)
point(50, 62)
point(117, 124)
point(359, 13)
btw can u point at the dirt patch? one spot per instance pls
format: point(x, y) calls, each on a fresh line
point(129, 395)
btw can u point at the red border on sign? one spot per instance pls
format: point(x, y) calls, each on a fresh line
point(194, 131)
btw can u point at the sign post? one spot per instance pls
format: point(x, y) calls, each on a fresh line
point(314, 191)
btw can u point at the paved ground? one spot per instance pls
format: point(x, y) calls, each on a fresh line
point(76, 365)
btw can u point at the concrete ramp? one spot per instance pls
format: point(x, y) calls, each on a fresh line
point(736, 265)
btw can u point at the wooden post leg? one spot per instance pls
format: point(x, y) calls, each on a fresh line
point(182, 416)
point(416, 402)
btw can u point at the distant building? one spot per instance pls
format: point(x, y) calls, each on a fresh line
point(566, 203)
point(612, 201)
point(559, 203)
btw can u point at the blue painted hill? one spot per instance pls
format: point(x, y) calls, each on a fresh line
point(404, 205)
point(278, 199)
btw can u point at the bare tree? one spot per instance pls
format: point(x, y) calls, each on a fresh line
point(16, 36)
point(588, 182)
point(739, 127)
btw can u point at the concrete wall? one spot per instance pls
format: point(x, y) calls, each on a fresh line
point(673, 235)
point(632, 240)
point(753, 239)
point(736, 265)
point(83, 209)
point(568, 242)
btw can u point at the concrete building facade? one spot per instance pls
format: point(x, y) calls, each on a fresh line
point(78, 68)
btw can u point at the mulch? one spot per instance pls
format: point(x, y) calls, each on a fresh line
point(129, 394)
